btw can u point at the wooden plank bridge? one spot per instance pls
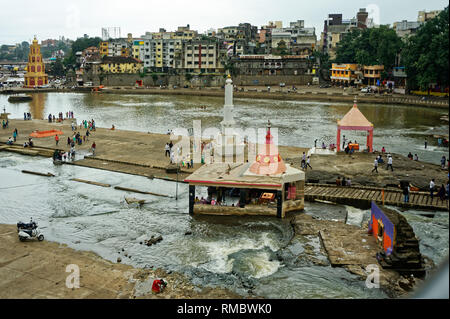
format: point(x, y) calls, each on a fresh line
point(362, 196)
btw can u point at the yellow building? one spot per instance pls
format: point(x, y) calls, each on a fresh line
point(35, 75)
point(138, 45)
point(372, 73)
point(119, 64)
point(344, 73)
point(103, 48)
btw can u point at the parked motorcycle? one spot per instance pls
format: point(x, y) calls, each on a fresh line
point(29, 231)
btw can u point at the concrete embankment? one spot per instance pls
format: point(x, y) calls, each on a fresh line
point(352, 248)
point(38, 270)
point(301, 94)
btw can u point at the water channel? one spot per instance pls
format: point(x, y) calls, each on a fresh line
point(236, 253)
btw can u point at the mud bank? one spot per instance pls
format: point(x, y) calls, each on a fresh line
point(38, 270)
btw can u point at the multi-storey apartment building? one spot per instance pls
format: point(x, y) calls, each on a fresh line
point(200, 56)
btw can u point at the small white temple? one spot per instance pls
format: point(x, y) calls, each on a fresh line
point(228, 142)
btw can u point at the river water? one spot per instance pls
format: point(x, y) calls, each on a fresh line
point(236, 253)
point(400, 129)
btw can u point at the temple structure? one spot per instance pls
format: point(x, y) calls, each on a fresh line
point(356, 121)
point(35, 75)
point(266, 186)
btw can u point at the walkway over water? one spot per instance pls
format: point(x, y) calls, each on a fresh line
point(364, 195)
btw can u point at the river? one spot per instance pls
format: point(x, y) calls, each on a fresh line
point(237, 253)
point(400, 129)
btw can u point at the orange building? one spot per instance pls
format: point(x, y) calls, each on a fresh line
point(344, 73)
point(36, 75)
point(372, 74)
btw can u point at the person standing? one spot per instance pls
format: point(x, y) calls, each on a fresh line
point(389, 164)
point(416, 158)
point(406, 191)
point(375, 166)
point(432, 188)
point(167, 149)
point(426, 143)
point(303, 160)
point(94, 146)
point(308, 163)
point(56, 139)
point(15, 135)
point(343, 143)
point(443, 160)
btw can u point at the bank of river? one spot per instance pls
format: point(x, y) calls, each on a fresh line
point(400, 129)
point(248, 256)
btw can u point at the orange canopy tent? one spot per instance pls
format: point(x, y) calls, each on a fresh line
point(39, 134)
point(355, 120)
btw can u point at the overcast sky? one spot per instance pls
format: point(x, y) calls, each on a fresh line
point(20, 20)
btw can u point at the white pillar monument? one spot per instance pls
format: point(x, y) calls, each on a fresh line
point(228, 142)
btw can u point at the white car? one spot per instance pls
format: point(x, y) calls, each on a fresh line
point(365, 90)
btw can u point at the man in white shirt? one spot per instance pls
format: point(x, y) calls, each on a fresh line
point(432, 188)
point(167, 149)
point(390, 163)
point(375, 165)
point(308, 163)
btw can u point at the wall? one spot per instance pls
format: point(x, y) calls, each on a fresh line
point(198, 81)
point(273, 80)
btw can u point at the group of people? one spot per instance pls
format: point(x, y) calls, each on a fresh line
point(187, 162)
point(411, 157)
point(89, 125)
point(210, 201)
point(306, 162)
point(60, 118)
point(379, 160)
point(5, 124)
point(30, 143)
point(443, 191)
point(27, 116)
point(13, 139)
point(344, 181)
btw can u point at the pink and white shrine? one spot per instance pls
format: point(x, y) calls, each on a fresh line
point(354, 120)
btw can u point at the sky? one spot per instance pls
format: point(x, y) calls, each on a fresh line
point(21, 20)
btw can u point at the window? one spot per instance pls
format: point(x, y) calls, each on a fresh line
point(189, 54)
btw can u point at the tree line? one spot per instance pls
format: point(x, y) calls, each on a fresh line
point(423, 54)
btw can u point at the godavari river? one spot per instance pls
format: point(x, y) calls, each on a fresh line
point(241, 254)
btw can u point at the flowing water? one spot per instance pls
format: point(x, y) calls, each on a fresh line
point(400, 129)
point(242, 253)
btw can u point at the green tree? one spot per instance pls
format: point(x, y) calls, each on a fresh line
point(78, 46)
point(369, 46)
point(425, 55)
point(57, 68)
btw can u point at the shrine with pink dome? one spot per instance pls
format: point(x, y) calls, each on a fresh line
point(263, 186)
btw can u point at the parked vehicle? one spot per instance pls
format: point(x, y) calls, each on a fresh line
point(282, 85)
point(29, 231)
point(366, 90)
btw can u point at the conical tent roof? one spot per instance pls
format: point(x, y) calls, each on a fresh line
point(268, 161)
point(354, 117)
